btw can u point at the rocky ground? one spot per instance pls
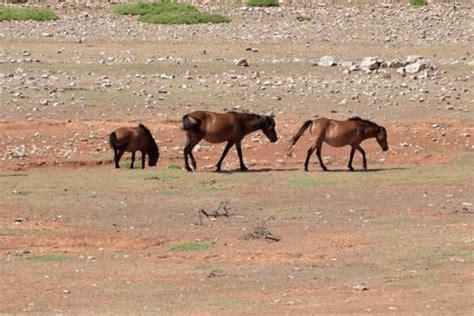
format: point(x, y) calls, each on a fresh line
point(65, 85)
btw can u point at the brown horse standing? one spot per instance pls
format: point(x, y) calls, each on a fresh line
point(341, 133)
point(220, 127)
point(132, 139)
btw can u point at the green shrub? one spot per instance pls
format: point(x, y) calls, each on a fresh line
point(263, 3)
point(418, 2)
point(168, 12)
point(24, 14)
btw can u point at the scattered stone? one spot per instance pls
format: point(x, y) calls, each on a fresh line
point(326, 61)
point(242, 62)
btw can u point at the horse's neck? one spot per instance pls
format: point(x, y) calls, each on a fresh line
point(251, 124)
point(370, 131)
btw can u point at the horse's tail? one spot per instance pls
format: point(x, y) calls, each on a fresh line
point(114, 142)
point(191, 123)
point(297, 136)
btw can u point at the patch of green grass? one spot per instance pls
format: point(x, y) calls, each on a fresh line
point(183, 18)
point(49, 257)
point(18, 231)
point(24, 14)
point(418, 2)
point(168, 12)
point(303, 182)
point(208, 189)
point(170, 192)
point(263, 3)
point(189, 246)
point(174, 166)
point(126, 164)
point(445, 254)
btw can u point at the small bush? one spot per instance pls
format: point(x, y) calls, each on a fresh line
point(24, 14)
point(263, 3)
point(167, 12)
point(418, 2)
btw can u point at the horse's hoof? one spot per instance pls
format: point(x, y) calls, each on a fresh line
point(244, 169)
point(189, 169)
point(325, 169)
point(306, 169)
point(351, 169)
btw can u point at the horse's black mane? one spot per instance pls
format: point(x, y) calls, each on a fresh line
point(356, 118)
point(246, 115)
point(153, 149)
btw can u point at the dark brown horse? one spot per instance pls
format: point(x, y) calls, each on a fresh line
point(132, 139)
point(220, 127)
point(341, 133)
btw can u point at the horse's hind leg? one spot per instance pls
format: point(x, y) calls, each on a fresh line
point(351, 157)
point(364, 160)
point(318, 153)
point(133, 160)
point(188, 151)
point(116, 158)
point(308, 156)
point(239, 152)
point(226, 150)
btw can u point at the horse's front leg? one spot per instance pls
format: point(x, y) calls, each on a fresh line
point(351, 157)
point(143, 159)
point(226, 150)
point(364, 160)
point(239, 152)
point(133, 160)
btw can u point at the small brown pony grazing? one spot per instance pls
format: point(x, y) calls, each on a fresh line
point(220, 127)
point(132, 139)
point(341, 133)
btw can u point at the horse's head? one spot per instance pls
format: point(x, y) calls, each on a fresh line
point(268, 128)
point(382, 138)
point(152, 160)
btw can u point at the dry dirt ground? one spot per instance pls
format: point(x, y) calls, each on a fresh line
point(80, 237)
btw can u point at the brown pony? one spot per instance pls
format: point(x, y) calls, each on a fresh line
point(220, 127)
point(132, 139)
point(341, 133)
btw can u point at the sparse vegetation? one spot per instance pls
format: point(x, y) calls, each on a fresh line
point(187, 246)
point(24, 14)
point(168, 12)
point(418, 2)
point(263, 3)
point(49, 257)
point(174, 166)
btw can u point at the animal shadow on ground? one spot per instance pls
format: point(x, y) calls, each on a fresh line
point(258, 170)
point(361, 170)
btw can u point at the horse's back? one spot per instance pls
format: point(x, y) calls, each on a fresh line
point(133, 137)
point(336, 133)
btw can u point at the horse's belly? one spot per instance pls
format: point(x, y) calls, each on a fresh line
point(335, 142)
